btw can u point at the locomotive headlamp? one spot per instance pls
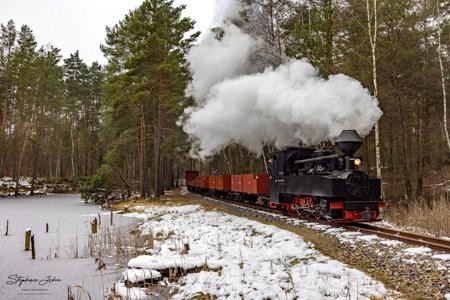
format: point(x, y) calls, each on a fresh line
point(357, 162)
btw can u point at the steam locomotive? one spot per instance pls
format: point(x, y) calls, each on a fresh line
point(314, 183)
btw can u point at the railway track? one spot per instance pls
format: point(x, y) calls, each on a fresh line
point(391, 234)
point(406, 237)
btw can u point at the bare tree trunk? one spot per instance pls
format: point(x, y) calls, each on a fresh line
point(441, 66)
point(35, 154)
point(419, 151)
point(157, 160)
point(373, 44)
point(72, 153)
point(264, 160)
point(403, 149)
point(177, 183)
point(158, 131)
point(228, 161)
point(142, 164)
point(22, 152)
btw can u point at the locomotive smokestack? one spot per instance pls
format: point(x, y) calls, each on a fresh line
point(349, 142)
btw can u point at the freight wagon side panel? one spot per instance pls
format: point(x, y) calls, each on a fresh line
point(236, 183)
point(207, 180)
point(190, 177)
point(256, 184)
point(262, 184)
point(212, 182)
point(223, 183)
point(201, 183)
point(248, 182)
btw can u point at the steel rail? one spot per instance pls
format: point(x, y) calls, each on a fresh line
point(407, 237)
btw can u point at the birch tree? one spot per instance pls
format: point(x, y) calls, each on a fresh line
point(441, 66)
point(372, 26)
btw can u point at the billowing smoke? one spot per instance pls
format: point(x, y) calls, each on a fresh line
point(282, 106)
point(226, 10)
point(215, 60)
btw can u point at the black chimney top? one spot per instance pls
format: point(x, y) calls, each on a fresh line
point(349, 142)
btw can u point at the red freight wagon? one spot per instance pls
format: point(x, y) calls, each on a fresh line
point(206, 180)
point(200, 181)
point(236, 184)
point(197, 182)
point(222, 183)
point(190, 177)
point(213, 182)
point(256, 183)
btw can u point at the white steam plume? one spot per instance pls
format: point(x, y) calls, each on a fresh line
point(282, 106)
point(215, 60)
point(226, 10)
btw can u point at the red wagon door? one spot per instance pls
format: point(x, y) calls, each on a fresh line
point(260, 184)
point(247, 180)
point(224, 183)
point(236, 183)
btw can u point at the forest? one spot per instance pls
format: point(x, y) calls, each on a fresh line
point(118, 126)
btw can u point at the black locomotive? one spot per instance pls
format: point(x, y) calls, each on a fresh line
point(321, 182)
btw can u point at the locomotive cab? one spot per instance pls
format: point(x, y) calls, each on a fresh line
point(311, 181)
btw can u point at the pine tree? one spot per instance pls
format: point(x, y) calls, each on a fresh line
point(146, 62)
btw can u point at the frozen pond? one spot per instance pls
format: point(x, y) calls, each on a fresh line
point(48, 277)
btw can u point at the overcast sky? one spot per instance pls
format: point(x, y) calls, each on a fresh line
point(80, 24)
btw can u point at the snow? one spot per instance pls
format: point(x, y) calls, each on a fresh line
point(134, 275)
point(418, 250)
point(232, 257)
point(131, 293)
point(170, 261)
point(368, 238)
point(10, 183)
point(391, 243)
point(444, 257)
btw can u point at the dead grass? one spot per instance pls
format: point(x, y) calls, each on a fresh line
point(143, 202)
point(422, 216)
point(122, 245)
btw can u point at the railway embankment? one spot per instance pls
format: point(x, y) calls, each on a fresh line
point(414, 271)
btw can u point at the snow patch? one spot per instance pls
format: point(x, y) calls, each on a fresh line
point(138, 275)
point(419, 250)
point(444, 257)
point(368, 238)
point(235, 258)
point(391, 243)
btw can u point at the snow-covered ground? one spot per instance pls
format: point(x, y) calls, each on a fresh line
point(237, 258)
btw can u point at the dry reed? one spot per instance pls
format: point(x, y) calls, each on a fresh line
point(422, 216)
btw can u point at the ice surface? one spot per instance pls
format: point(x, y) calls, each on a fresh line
point(66, 216)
